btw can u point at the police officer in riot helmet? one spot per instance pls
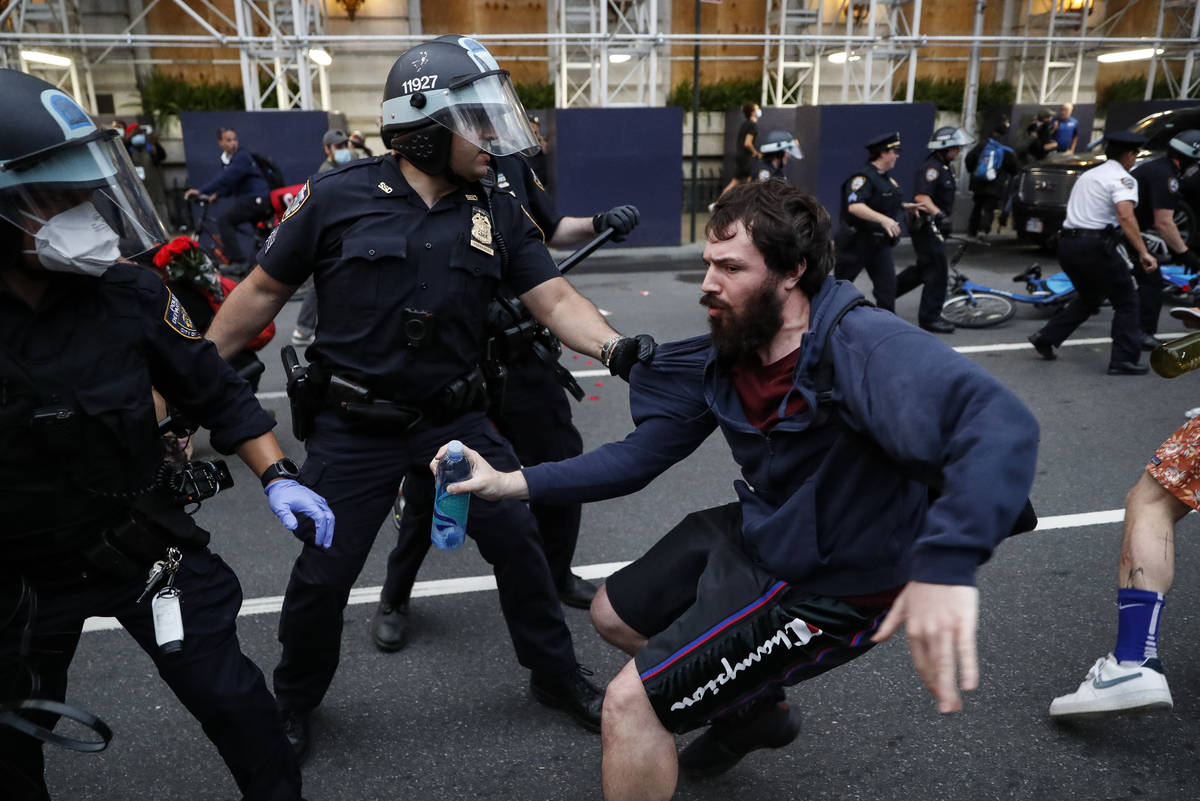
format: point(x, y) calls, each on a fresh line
point(529, 406)
point(929, 222)
point(407, 249)
point(777, 148)
point(1158, 183)
point(86, 337)
point(1100, 221)
point(871, 204)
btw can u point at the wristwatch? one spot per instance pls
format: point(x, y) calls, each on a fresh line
point(284, 468)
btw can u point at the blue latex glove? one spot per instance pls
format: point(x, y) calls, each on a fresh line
point(288, 497)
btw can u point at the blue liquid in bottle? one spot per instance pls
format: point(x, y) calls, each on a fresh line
point(450, 511)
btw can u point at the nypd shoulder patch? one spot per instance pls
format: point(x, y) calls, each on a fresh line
point(296, 203)
point(856, 183)
point(931, 174)
point(1128, 182)
point(177, 317)
point(1172, 184)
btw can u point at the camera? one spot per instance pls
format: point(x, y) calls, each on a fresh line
point(192, 482)
point(419, 327)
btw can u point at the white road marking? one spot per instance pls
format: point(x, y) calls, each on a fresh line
point(457, 586)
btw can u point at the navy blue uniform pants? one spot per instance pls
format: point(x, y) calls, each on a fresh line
point(243, 210)
point(865, 254)
point(218, 684)
point(536, 418)
point(1150, 298)
point(930, 272)
point(1098, 272)
point(358, 472)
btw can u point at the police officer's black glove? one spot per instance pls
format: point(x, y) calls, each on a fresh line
point(942, 221)
point(622, 219)
point(1188, 260)
point(627, 351)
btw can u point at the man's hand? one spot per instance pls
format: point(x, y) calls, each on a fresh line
point(1148, 262)
point(1188, 260)
point(890, 227)
point(191, 193)
point(941, 626)
point(627, 351)
point(486, 481)
point(622, 219)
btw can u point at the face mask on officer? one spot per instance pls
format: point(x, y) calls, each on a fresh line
point(341, 155)
point(77, 240)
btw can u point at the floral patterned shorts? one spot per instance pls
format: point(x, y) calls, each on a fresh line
point(1176, 463)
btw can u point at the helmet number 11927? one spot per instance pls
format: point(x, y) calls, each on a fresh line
point(420, 83)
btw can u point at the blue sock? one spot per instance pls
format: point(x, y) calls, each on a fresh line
point(1138, 612)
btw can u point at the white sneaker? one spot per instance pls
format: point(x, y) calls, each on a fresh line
point(300, 338)
point(1112, 687)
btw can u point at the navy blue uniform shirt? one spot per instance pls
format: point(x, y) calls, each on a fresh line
point(877, 189)
point(374, 249)
point(515, 175)
point(1158, 188)
point(239, 178)
point(936, 179)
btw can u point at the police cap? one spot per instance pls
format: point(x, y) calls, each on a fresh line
point(1128, 139)
point(884, 141)
point(334, 138)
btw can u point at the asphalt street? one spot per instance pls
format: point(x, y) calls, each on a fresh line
point(450, 717)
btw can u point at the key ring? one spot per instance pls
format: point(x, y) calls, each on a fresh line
point(10, 717)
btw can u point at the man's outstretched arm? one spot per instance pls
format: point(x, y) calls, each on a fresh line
point(246, 311)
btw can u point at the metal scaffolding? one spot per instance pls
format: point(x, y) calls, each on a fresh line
point(607, 52)
point(1177, 19)
point(272, 38)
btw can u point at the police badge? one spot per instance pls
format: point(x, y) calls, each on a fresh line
point(481, 231)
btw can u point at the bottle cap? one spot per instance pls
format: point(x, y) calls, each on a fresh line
point(454, 450)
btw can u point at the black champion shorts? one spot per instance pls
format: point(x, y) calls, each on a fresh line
point(723, 631)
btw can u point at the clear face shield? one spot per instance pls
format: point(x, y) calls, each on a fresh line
point(486, 112)
point(82, 203)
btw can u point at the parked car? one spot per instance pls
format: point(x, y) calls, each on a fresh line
point(1040, 201)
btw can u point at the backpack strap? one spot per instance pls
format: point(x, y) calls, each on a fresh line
point(823, 374)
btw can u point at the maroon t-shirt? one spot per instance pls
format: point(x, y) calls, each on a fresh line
point(762, 387)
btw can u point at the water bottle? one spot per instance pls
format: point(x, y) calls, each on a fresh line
point(450, 511)
point(1177, 356)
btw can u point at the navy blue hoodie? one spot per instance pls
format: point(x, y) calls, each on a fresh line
point(836, 508)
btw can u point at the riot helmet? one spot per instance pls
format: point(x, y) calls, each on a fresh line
point(778, 142)
point(947, 137)
point(67, 183)
point(1186, 145)
point(452, 85)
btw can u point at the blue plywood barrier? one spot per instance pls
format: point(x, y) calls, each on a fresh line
point(832, 139)
point(603, 157)
point(773, 119)
point(292, 139)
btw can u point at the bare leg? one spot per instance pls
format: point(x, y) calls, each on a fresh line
point(639, 762)
point(1148, 550)
point(609, 625)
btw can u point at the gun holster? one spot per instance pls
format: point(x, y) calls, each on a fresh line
point(304, 391)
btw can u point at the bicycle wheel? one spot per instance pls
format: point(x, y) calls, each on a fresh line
point(978, 310)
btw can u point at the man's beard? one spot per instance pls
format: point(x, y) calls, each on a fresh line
point(738, 337)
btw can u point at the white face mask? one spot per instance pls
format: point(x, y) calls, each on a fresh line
point(77, 240)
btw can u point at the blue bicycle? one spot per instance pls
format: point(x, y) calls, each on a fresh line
point(972, 305)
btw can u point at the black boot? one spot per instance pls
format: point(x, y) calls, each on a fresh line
point(298, 731)
point(577, 592)
point(389, 627)
point(570, 691)
point(764, 723)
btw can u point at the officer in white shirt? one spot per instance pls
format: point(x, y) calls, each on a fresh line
point(1099, 211)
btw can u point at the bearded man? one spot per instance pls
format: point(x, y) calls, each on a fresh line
point(838, 414)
